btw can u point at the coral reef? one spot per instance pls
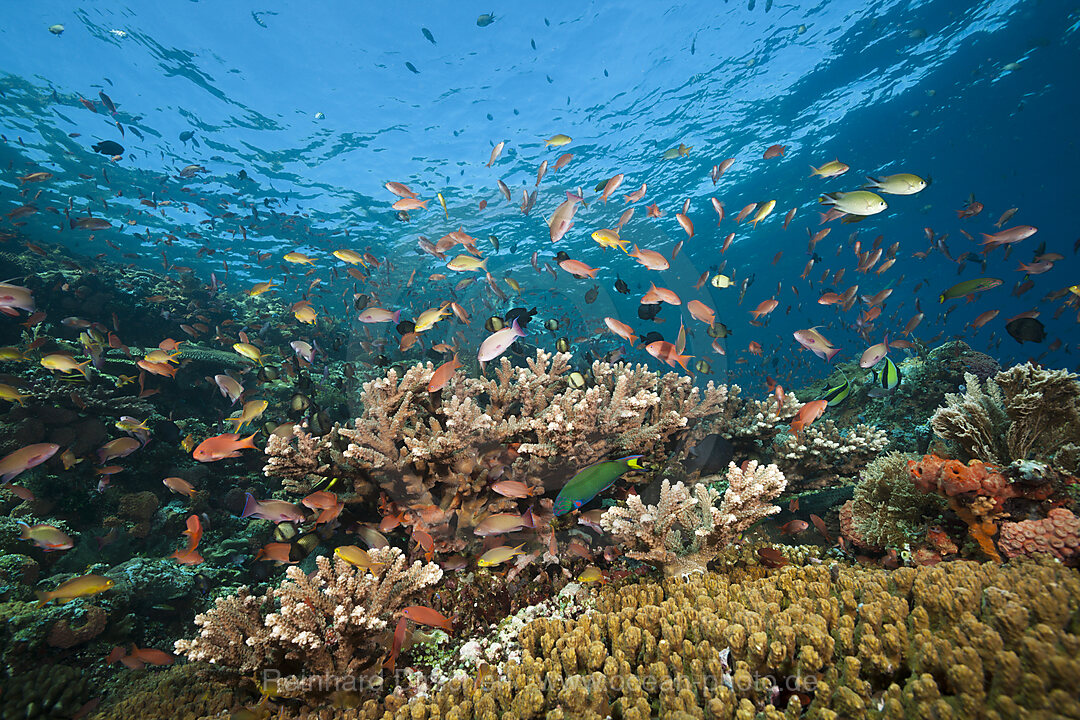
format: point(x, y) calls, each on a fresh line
point(685, 530)
point(333, 623)
point(961, 640)
point(435, 456)
point(1022, 413)
point(823, 456)
point(50, 691)
point(1058, 534)
point(887, 510)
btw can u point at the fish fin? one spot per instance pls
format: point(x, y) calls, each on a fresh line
point(251, 505)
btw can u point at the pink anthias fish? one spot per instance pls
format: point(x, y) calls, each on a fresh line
point(229, 387)
point(497, 342)
point(816, 343)
point(274, 510)
point(874, 354)
point(563, 217)
point(379, 315)
point(25, 458)
point(14, 298)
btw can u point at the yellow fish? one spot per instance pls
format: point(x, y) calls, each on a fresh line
point(358, 557)
point(763, 212)
point(829, 169)
point(65, 364)
point(260, 288)
point(610, 238)
point(429, 317)
point(558, 140)
point(443, 203)
point(350, 256)
point(75, 588)
point(305, 314)
point(499, 555)
point(9, 393)
point(131, 425)
point(10, 354)
point(188, 443)
point(249, 351)
point(463, 263)
point(298, 258)
point(251, 411)
point(123, 380)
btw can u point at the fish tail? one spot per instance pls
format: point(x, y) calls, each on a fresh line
point(43, 599)
point(831, 353)
point(682, 359)
point(813, 171)
point(249, 442)
point(251, 505)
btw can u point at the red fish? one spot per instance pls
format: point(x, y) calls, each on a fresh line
point(424, 615)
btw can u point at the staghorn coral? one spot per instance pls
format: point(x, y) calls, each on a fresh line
point(887, 510)
point(954, 640)
point(331, 624)
point(685, 530)
point(1022, 413)
point(1058, 534)
point(823, 456)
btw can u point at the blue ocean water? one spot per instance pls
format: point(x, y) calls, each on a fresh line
point(320, 106)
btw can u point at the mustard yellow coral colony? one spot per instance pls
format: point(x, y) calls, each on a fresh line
point(958, 640)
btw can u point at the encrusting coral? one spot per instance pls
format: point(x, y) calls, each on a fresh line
point(333, 623)
point(1057, 534)
point(1025, 412)
point(685, 530)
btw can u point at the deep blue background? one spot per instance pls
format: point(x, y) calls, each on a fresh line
point(885, 86)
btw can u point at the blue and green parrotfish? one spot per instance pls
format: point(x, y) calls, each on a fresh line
point(592, 481)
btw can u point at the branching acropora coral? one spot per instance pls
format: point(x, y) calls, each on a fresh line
point(333, 623)
point(685, 529)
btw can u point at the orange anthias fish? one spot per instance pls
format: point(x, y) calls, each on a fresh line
point(325, 502)
point(666, 352)
point(180, 486)
point(424, 615)
point(442, 374)
point(276, 551)
point(807, 414)
point(190, 555)
point(226, 445)
point(399, 640)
